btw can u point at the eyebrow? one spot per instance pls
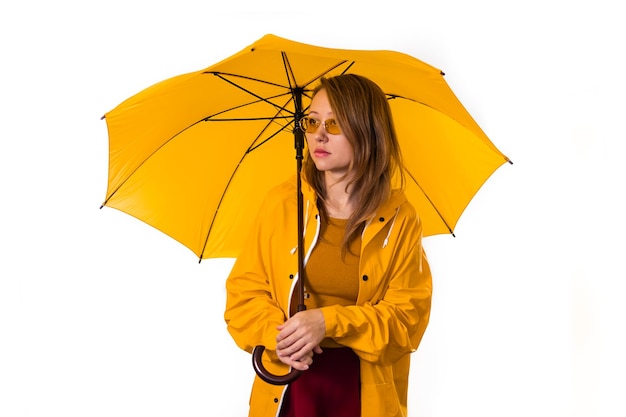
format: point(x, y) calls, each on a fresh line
point(330, 115)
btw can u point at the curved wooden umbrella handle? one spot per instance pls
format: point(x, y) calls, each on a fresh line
point(264, 373)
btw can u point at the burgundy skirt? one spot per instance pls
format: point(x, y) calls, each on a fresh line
point(330, 387)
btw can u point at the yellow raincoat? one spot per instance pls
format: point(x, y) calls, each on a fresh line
point(383, 328)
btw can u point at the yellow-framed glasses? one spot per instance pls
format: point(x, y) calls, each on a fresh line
point(310, 125)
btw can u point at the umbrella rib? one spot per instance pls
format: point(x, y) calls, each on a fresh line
point(121, 184)
point(291, 77)
point(318, 77)
point(391, 96)
point(212, 117)
point(221, 76)
point(282, 128)
point(206, 119)
point(431, 203)
point(243, 119)
point(219, 204)
point(270, 119)
point(250, 149)
point(228, 74)
point(289, 74)
point(394, 96)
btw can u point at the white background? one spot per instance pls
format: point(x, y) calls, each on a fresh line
point(101, 315)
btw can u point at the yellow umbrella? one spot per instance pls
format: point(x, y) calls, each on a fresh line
point(194, 155)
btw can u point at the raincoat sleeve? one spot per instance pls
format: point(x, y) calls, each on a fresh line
point(389, 324)
point(252, 312)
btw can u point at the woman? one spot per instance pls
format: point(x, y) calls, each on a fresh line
point(368, 283)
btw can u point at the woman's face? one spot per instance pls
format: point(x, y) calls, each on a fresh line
point(332, 154)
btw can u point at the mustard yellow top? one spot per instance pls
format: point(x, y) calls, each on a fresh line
point(331, 279)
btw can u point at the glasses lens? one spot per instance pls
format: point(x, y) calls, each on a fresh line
point(310, 125)
point(332, 127)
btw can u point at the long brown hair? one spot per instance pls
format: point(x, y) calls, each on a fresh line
point(364, 115)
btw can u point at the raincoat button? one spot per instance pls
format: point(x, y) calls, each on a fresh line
point(275, 400)
point(381, 219)
point(365, 277)
point(290, 276)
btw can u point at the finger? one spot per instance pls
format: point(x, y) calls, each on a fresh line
point(299, 365)
point(293, 349)
point(296, 339)
point(306, 351)
point(285, 330)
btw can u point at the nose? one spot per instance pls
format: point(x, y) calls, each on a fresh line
point(320, 134)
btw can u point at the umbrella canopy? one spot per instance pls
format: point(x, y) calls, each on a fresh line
point(194, 155)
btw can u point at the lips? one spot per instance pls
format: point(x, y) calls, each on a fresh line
point(321, 152)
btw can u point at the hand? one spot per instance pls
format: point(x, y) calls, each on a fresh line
point(299, 338)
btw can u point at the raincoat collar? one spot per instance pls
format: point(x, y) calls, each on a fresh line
point(397, 198)
point(388, 212)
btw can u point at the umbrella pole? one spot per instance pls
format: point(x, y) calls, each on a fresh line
point(299, 145)
point(257, 353)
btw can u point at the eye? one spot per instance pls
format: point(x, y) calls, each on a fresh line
point(331, 123)
point(313, 122)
